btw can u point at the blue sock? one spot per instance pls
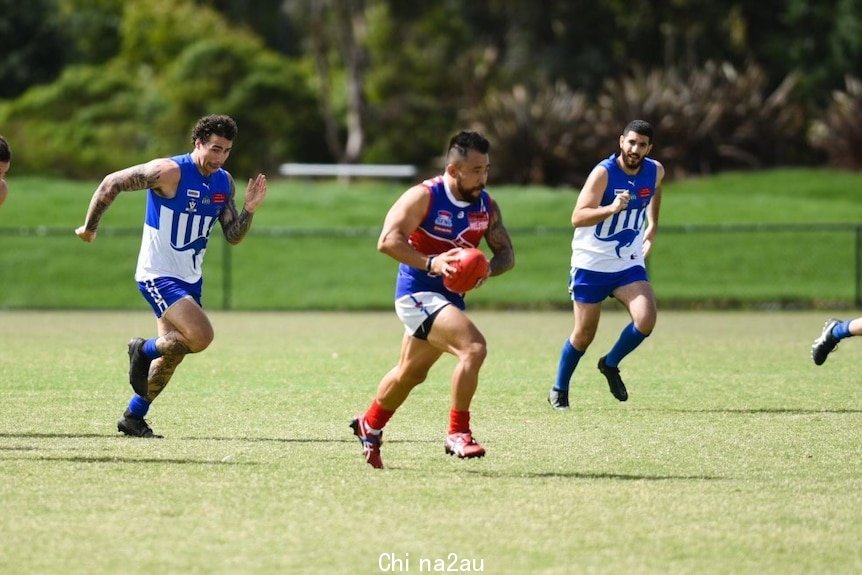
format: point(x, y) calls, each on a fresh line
point(568, 362)
point(842, 330)
point(150, 349)
point(139, 406)
point(629, 339)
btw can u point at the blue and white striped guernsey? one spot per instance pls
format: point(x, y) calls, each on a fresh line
point(616, 243)
point(176, 230)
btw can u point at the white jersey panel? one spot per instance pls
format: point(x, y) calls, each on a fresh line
point(175, 249)
point(616, 243)
point(618, 253)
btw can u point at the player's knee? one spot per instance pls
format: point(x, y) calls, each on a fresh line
point(582, 339)
point(200, 344)
point(412, 379)
point(200, 339)
point(475, 352)
point(646, 324)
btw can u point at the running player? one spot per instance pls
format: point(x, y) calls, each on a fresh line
point(834, 331)
point(423, 231)
point(186, 195)
point(615, 220)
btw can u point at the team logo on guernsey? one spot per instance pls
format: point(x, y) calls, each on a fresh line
point(625, 226)
point(443, 221)
point(187, 233)
point(478, 221)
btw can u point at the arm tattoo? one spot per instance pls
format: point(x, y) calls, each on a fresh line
point(238, 227)
point(234, 226)
point(500, 243)
point(134, 178)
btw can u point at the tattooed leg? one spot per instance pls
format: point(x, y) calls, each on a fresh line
point(183, 329)
point(161, 371)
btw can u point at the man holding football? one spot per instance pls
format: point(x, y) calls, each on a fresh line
point(186, 195)
point(424, 231)
point(615, 220)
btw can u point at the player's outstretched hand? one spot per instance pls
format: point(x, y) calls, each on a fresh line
point(85, 234)
point(255, 193)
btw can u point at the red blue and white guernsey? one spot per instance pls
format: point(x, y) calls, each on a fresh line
point(449, 223)
point(616, 243)
point(176, 230)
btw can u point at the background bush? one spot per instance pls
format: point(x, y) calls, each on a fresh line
point(178, 62)
point(551, 83)
point(839, 131)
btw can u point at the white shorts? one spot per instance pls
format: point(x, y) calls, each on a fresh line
point(418, 310)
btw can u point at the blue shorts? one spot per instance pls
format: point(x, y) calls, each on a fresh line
point(586, 286)
point(162, 293)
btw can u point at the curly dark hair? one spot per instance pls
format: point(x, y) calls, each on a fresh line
point(220, 125)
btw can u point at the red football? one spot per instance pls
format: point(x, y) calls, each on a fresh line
point(470, 267)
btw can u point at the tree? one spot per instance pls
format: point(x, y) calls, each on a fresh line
point(91, 28)
point(31, 44)
point(336, 35)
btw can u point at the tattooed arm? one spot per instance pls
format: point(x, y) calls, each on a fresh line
point(500, 243)
point(161, 175)
point(234, 225)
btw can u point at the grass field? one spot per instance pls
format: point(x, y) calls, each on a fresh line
point(734, 453)
point(272, 271)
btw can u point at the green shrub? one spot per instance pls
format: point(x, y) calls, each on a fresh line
point(93, 121)
point(839, 131)
point(261, 90)
point(541, 135)
point(90, 119)
point(156, 32)
point(712, 119)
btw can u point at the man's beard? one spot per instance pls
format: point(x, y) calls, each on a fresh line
point(637, 163)
point(468, 194)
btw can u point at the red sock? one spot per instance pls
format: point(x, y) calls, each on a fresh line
point(459, 421)
point(376, 417)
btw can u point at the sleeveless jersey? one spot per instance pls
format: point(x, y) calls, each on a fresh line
point(176, 230)
point(616, 243)
point(448, 223)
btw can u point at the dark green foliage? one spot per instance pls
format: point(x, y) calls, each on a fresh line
point(156, 32)
point(91, 121)
point(31, 45)
point(414, 91)
point(91, 29)
point(95, 120)
point(262, 92)
point(728, 84)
